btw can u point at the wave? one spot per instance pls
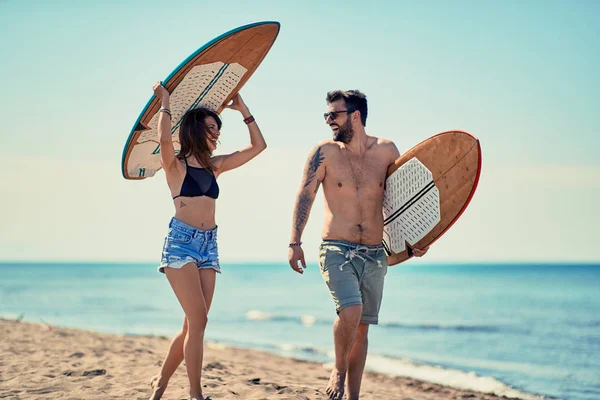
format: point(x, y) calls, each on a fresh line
point(445, 376)
point(309, 350)
point(12, 316)
point(305, 352)
point(402, 367)
point(306, 320)
point(309, 320)
point(458, 327)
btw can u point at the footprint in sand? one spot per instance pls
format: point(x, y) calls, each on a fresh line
point(95, 372)
point(271, 387)
point(215, 365)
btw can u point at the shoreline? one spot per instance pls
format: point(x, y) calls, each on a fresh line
point(42, 361)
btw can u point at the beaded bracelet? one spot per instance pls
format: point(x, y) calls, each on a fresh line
point(249, 120)
point(166, 111)
point(295, 244)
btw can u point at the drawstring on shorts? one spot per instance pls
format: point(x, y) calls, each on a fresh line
point(359, 252)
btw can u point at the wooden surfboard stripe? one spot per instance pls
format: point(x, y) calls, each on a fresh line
point(458, 161)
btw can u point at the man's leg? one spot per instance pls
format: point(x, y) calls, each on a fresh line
point(356, 362)
point(344, 331)
point(371, 288)
point(342, 278)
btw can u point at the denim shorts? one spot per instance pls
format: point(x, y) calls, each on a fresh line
point(355, 275)
point(186, 244)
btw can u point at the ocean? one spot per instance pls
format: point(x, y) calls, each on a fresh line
point(524, 330)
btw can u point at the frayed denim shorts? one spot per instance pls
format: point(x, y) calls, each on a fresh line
point(185, 244)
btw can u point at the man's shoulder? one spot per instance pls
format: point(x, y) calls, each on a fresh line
point(385, 148)
point(383, 144)
point(383, 141)
point(327, 145)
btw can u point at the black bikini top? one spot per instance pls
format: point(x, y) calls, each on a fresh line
point(198, 182)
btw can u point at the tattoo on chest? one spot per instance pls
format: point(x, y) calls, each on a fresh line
point(182, 204)
point(313, 165)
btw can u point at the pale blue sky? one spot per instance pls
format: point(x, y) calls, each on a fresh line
point(522, 76)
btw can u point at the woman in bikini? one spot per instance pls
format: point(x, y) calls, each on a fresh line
point(190, 256)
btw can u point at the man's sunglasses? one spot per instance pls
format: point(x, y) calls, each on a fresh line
point(334, 114)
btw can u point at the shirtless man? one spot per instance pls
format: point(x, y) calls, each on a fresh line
point(352, 168)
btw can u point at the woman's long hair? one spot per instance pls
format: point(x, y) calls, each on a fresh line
point(193, 134)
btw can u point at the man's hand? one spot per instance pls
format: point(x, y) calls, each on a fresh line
point(294, 255)
point(419, 252)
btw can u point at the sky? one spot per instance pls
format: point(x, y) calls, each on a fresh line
point(521, 76)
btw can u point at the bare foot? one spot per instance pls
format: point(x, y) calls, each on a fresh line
point(157, 389)
point(335, 387)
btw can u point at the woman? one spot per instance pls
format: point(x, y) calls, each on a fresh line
point(190, 257)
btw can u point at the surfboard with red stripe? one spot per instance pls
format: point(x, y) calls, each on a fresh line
point(427, 190)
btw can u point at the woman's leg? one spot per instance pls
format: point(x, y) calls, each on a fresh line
point(188, 289)
point(175, 355)
point(172, 360)
point(207, 281)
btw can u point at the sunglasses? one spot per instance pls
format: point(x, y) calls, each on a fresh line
point(334, 114)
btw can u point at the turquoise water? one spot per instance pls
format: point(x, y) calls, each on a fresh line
point(513, 329)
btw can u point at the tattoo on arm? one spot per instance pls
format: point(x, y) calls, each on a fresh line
point(306, 197)
point(303, 207)
point(313, 165)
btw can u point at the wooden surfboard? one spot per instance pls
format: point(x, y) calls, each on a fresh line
point(427, 190)
point(210, 77)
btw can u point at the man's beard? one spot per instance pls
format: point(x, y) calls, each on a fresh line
point(344, 133)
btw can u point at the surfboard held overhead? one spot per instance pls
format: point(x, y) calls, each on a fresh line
point(210, 77)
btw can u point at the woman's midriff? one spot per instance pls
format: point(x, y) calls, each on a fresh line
point(198, 212)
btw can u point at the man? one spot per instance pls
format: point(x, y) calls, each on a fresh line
point(352, 168)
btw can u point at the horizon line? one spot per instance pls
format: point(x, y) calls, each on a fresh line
point(272, 262)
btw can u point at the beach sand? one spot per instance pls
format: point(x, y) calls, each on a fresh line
point(39, 361)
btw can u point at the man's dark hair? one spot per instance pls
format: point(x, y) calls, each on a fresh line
point(354, 99)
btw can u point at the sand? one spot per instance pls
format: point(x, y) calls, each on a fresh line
point(39, 361)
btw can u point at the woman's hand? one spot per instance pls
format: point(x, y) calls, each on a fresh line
point(237, 103)
point(160, 91)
